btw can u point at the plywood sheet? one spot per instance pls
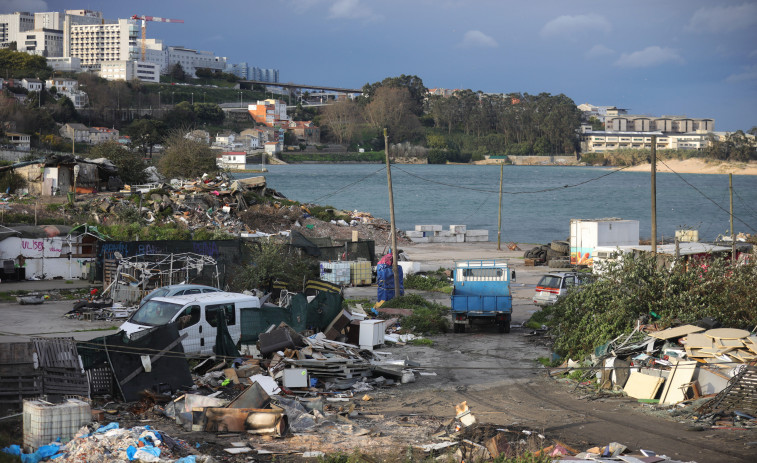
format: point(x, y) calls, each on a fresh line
point(641, 386)
point(699, 341)
point(727, 333)
point(676, 332)
point(674, 392)
point(729, 343)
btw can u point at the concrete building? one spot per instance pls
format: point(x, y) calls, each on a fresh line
point(70, 89)
point(269, 112)
point(32, 85)
point(75, 131)
point(272, 147)
point(78, 18)
point(240, 70)
point(42, 42)
point(65, 64)
point(99, 135)
point(602, 141)
point(263, 75)
point(20, 141)
point(232, 160)
point(600, 112)
point(49, 20)
point(12, 26)
point(190, 60)
point(95, 44)
point(305, 131)
point(130, 70)
point(666, 124)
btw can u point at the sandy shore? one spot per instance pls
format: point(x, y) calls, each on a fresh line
point(699, 166)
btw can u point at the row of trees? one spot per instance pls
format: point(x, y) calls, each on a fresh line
point(458, 128)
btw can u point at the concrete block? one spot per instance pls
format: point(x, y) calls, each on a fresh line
point(444, 233)
point(428, 228)
point(420, 240)
point(477, 233)
point(458, 228)
point(414, 234)
point(459, 238)
point(445, 239)
point(471, 239)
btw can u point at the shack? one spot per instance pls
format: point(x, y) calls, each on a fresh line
point(46, 252)
point(58, 174)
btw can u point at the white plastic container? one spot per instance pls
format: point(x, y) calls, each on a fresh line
point(336, 272)
point(44, 423)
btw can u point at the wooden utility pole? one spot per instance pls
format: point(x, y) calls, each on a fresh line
point(395, 254)
point(733, 237)
point(499, 212)
point(654, 195)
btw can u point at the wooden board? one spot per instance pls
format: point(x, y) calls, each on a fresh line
point(681, 375)
point(729, 343)
point(676, 332)
point(641, 386)
point(727, 333)
point(698, 341)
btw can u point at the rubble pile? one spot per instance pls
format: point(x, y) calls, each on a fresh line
point(712, 372)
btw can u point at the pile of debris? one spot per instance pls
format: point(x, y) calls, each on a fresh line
point(712, 372)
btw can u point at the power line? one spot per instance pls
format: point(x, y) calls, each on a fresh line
point(512, 192)
point(347, 186)
point(745, 203)
point(707, 197)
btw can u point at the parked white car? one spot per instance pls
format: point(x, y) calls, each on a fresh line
point(555, 285)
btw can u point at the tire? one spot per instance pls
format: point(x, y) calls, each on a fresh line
point(506, 327)
point(528, 254)
point(501, 327)
point(562, 247)
point(552, 254)
point(455, 327)
point(559, 263)
point(462, 328)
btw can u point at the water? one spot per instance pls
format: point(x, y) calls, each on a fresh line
point(468, 195)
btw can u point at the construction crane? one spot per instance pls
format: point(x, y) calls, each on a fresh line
point(144, 26)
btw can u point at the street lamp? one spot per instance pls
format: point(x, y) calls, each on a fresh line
point(193, 97)
point(158, 100)
point(240, 99)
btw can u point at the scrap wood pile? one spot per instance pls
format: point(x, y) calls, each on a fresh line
point(712, 371)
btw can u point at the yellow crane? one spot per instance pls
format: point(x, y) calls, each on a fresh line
point(144, 26)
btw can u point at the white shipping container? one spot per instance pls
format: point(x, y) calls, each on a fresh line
point(586, 235)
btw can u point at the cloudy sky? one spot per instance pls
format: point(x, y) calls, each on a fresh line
point(678, 57)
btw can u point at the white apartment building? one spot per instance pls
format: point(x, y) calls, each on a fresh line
point(598, 142)
point(70, 89)
point(32, 85)
point(13, 25)
point(95, 44)
point(190, 59)
point(130, 70)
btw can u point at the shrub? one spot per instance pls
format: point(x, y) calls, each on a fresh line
point(427, 317)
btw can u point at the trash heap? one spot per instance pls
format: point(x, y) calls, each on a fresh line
point(555, 254)
point(712, 372)
point(463, 438)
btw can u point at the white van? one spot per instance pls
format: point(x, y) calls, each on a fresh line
point(196, 314)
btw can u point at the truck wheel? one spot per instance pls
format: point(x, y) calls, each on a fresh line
point(501, 327)
point(462, 328)
point(506, 326)
point(560, 246)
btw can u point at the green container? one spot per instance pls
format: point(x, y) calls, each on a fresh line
point(71, 197)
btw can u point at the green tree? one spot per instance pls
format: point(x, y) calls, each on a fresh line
point(208, 113)
point(596, 124)
point(182, 115)
point(342, 119)
point(64, 111)
point(145, 134)
point(177, 72)
point(271, 261)
point(186, 158)
point(131, 167)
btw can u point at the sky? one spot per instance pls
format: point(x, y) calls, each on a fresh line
point(677, 57)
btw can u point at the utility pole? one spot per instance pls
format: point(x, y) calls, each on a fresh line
point(499, 211)
point(395, 254)
point(733, 237)
point(654, 195)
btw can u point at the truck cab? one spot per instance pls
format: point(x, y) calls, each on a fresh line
point(481, 291)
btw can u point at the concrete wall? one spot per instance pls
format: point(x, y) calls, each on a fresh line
point(44, 258)
point(543, 160)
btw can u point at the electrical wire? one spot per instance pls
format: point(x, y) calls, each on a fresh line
point(544, 190)
point(746, 203)
point(706, 197)
point(328, 195)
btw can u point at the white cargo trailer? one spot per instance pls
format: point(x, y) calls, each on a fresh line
point(586, 235)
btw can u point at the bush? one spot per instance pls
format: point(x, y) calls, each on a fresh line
point(437, 281)
point(271, 261)
point(638, 287)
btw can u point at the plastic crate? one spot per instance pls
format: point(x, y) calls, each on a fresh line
point(360, 273)
point(44, 422)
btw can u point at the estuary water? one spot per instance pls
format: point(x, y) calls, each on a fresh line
point(537, 202)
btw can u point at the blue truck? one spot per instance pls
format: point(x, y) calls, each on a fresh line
point(481, 291)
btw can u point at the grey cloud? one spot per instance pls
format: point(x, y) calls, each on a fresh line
point(569, 26)
point(724, 18)
point(477, 39)
point(650, 56)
